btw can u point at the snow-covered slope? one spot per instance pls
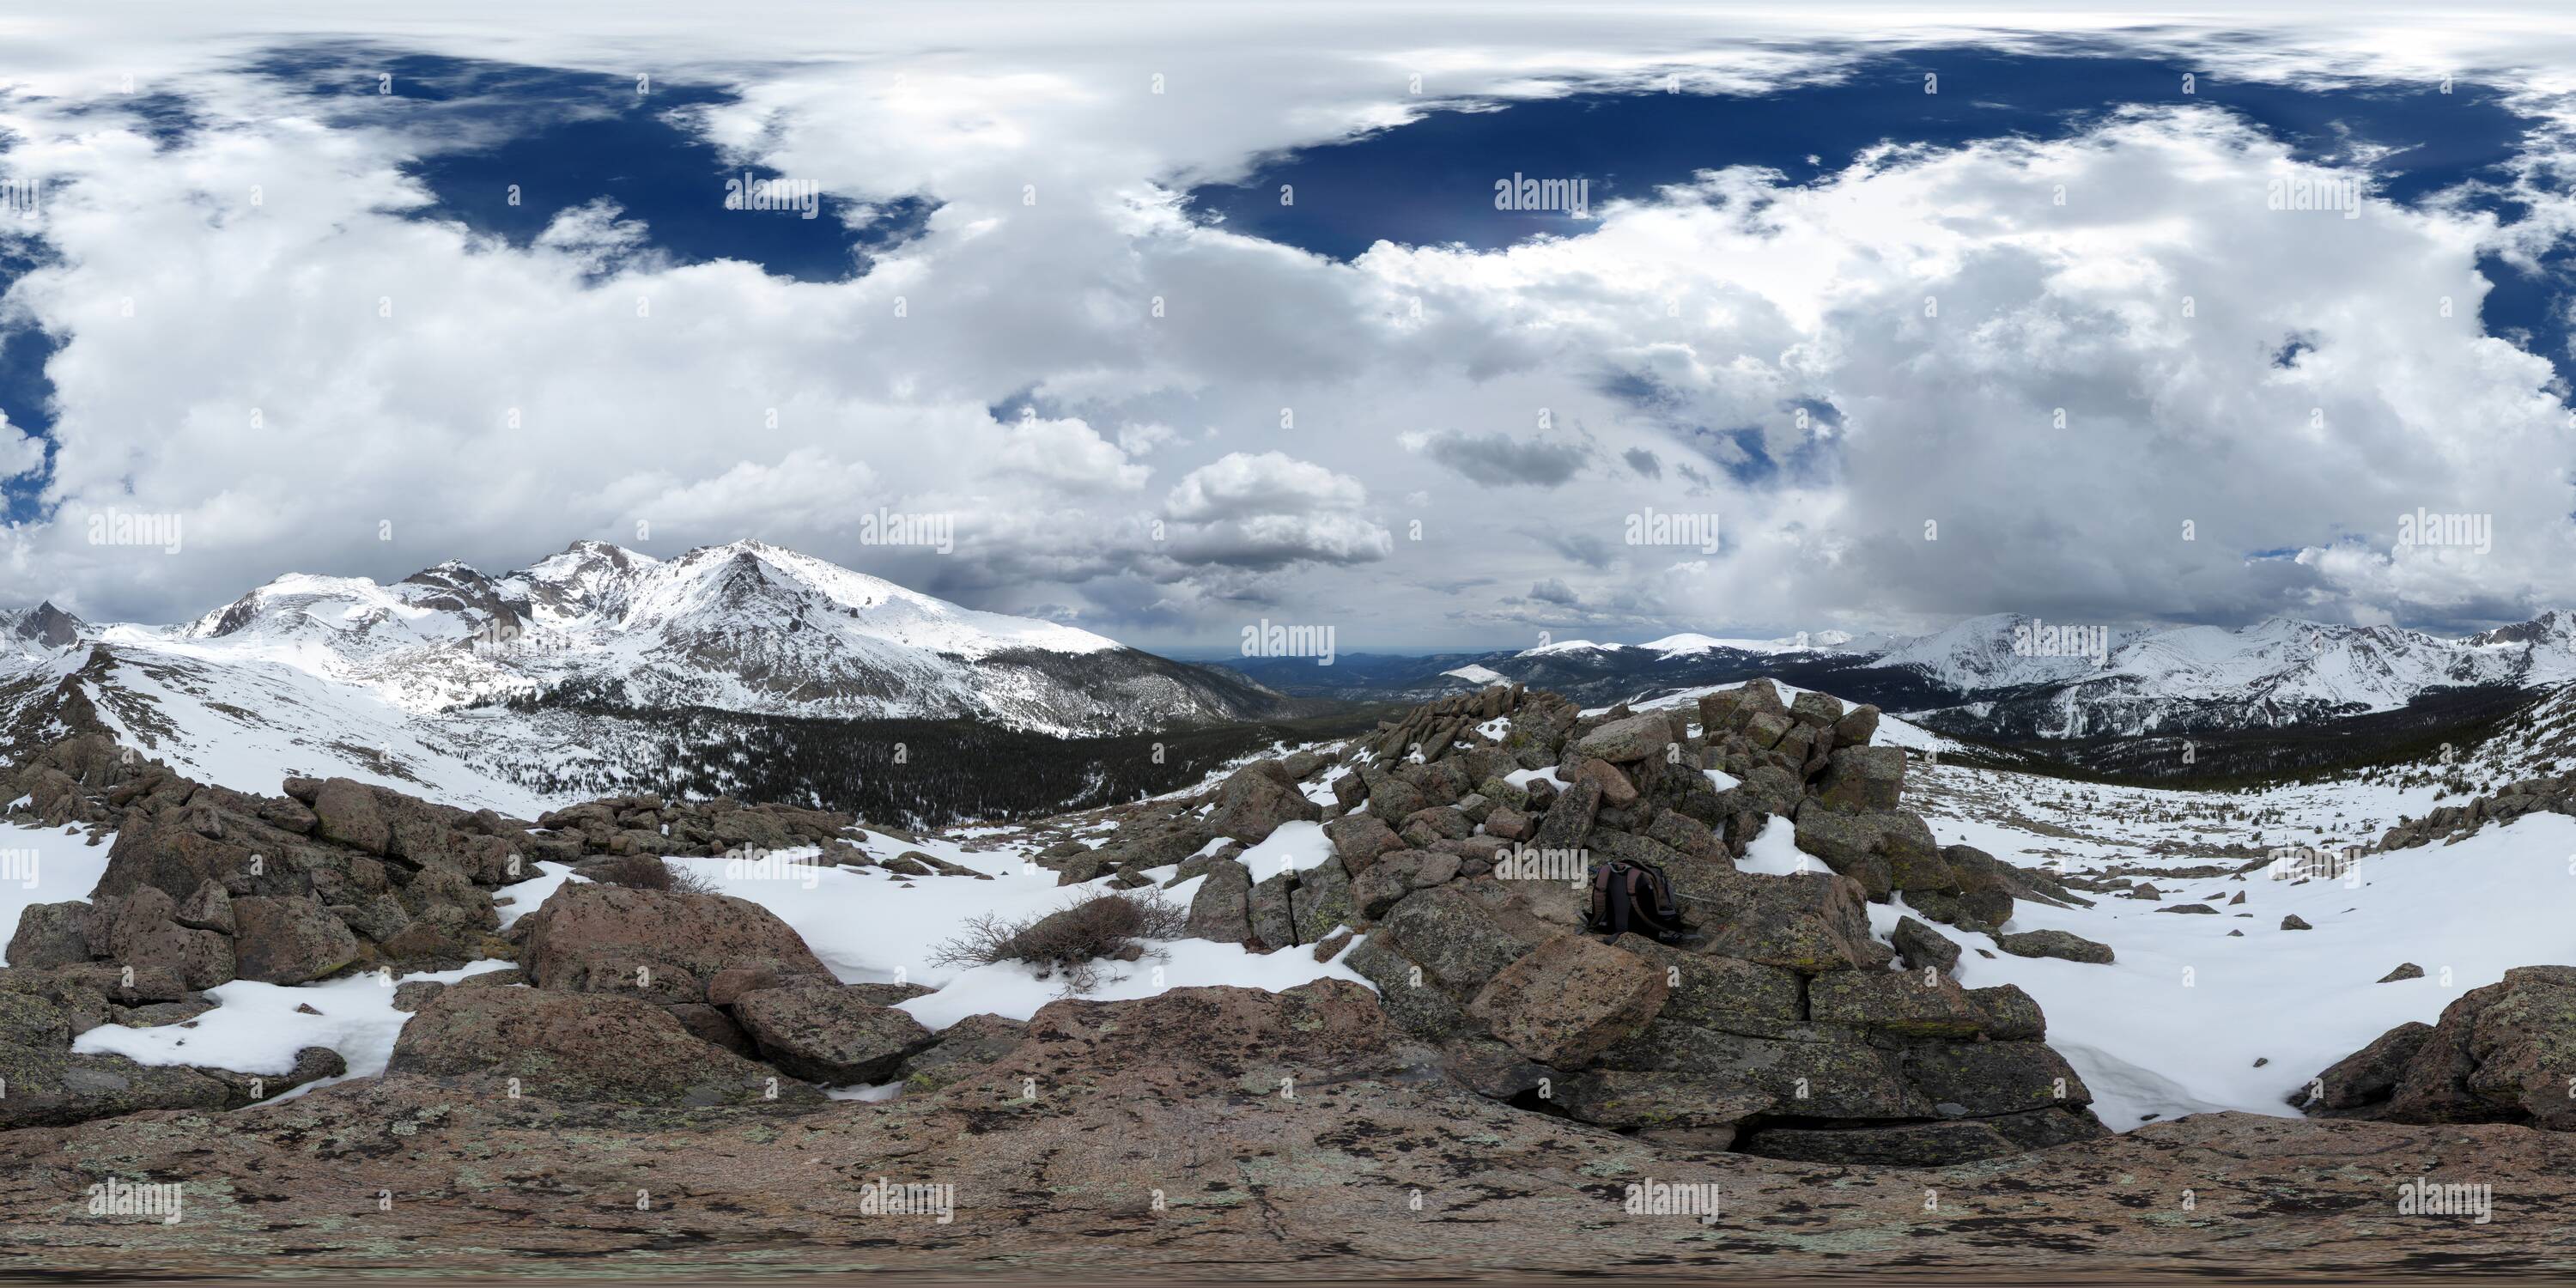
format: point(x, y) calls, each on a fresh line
point(2189, 1017)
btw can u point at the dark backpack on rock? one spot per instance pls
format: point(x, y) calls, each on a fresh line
point(1634, 897)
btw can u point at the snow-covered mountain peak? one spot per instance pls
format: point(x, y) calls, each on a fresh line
point(43, 626)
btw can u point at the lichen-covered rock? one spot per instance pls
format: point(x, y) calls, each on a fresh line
point(1320, 901)
point(1981, 1079)
point(1689, 1109)
point(2060, 944)
point(1569, 818)
point(1632, 739)
point(1821, 1073)
point(1857, 726)
point(1986, 887)
point(1810, 923)
point(2011, 1014)
point(1570, 999)
point(1915, 1004)
point(2368, 1076)
point(577, 1047)
point(962, 1050)
point(1221, 911)
point(1921, 947)
point(1358, 839)
point(1719, 992)
point(825, 1032)
point(1255, 800)
point(1399, 874)
point(1458, 939)
point(658, 944)
point(1926, 1144)
point(346, 811)
point(1862, 780)
point(1410, 995)
point(51, 934)
point(2501, 1053)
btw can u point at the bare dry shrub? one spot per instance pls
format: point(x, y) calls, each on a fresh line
point(1071, 942)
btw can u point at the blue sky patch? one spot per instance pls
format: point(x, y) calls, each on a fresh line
point(1433, 181)
point(507, 147)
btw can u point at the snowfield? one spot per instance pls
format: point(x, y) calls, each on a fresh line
point(258, 1028)
point(2177, 1022)
point(877, 927)
point(45, 865)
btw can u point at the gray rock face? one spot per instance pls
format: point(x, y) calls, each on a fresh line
point(1928, 1144)
point(145, 934)
point(345, 811)
point(1631, 739)
point(1820, 710)
point(1663, 1105)
point(1438, 823)
point(963, 1050)
point(1393, 800)
point(828, 1033)
point(1320, 901)
point(1987, 1078)
point(1568, 820)
point(1221, 911)
point(1916, 1004)
point(1399, 874)
point(1921, 946)
point(2367, 1076)
point(210, 908)
point(1274, 920)
point(1810, 923)
point(1821, 1074)
point(50, 934)
point(1862, 780)
point(2011, 1014)
point(1986, 887)
point(1848, 844)
point(1411, 996)
point(2055, 943)
point(1857, 727)
point(1359, 839)
point(1453, 936)
point(1719, 992)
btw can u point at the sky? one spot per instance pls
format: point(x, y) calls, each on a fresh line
point(1180, 319)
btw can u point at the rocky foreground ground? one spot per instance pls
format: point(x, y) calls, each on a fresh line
point(1157, 1141)
point(1783, 1093)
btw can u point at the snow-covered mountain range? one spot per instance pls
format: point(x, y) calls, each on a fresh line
point(2274, 672)
point(599, 669)
point(451, 676)
point(2015, 677)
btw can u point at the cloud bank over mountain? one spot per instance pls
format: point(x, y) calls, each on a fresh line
point(2177, 356)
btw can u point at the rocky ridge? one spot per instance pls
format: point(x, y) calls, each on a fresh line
point(1462, 833)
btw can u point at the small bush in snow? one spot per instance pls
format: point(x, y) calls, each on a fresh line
point(645, 872)
point(1071, 942)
